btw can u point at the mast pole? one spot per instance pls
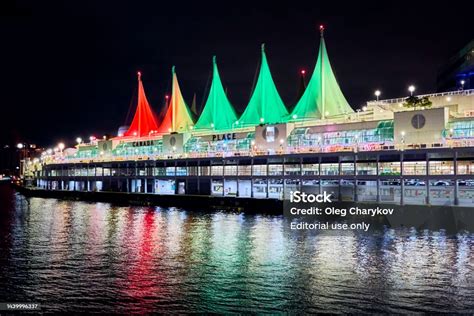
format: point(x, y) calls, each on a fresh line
point(263, 90)
point(214, 99)
point(139, 75)
point(173, 100)
point(323, 101)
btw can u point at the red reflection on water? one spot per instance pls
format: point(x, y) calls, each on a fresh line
point(143, 281)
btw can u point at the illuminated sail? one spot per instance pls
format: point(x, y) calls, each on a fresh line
point(265, 105)
point(323, 96)
point(144, 122)
point(218, 113)
point(178, 116)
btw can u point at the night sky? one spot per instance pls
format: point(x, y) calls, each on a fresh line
point(69, 69)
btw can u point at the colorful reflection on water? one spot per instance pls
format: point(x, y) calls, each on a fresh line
point(95, 257)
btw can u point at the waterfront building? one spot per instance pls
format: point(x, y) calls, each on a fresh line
point(458, 72)
point(389, 152)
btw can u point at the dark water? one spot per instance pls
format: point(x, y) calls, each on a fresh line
point(94, 257)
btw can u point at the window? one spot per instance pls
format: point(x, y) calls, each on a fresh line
point(311, 169)
point(414, 168)
point(275, 170)
point(259, 170)
point(245, 170)
point(330, 169)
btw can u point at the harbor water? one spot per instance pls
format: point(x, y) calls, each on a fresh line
point(96, 257)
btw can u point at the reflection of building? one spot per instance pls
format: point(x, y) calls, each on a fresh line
point(459, 69)
point(385, 153)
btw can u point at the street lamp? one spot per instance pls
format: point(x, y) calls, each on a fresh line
point(79, 140)
point(462, 84)
point(411, 89)
point(61, 146)
point(377, 94)
point(20, 146)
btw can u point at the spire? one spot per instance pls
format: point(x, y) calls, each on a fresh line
point(218, 113)
point(323, 96)
point(144, 121)
point(177, 117)
point(265, 105)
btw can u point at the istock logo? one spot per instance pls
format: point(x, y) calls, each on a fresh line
point(297, 196)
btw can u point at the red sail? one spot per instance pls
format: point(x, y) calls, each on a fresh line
point(144, 122)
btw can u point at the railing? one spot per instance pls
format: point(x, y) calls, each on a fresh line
point(367, 147)
point(431, 95)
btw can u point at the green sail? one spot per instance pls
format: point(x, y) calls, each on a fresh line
point(323, 96)
point(218, 113)
point(265, 105)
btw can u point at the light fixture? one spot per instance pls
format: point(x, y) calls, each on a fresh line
point(377, 94)
point(79, 140)
point(411, 89)
point(61, 146)
point(262, 120)
point(295, 116)
point(20, 146)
